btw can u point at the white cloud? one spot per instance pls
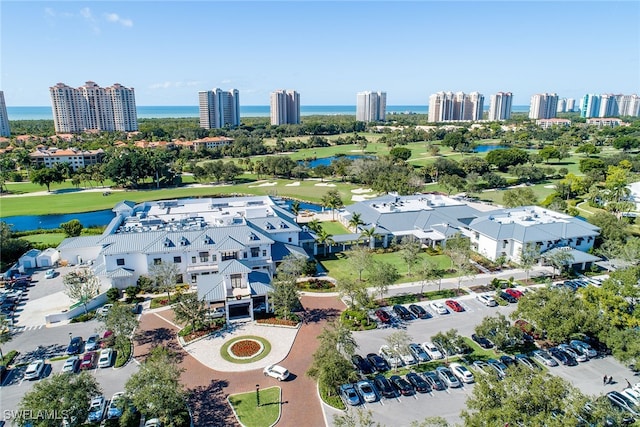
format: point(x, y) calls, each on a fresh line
point(226, 81)
point(85, 12)
point(114, 17)
point(164, 85)
point(167, 84)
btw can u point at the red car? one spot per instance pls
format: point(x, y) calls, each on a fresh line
point(382, 315)
point(527, 328)
point(514, 293)
point(454, 305)
point(89, 360)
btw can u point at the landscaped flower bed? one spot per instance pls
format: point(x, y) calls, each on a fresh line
point(316, 285)
point(245, 348)
point(278, 322)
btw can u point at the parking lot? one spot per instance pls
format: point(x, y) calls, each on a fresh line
point(587, 376)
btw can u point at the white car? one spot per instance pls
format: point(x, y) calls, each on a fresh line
point(106, 357)
point(487, 300)
point(432, 350)
point(632, 395)
point(462, 373)
point(34, 370)
point(50, 274)
point(406, 356)
point(276, 371)
point(439, 308)
point(104, 310)
point(71, 364)
point(153, 422)
point(390, 356)
point(96, 409)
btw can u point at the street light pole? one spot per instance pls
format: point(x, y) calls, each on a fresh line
point(257, 394)
point(70, 336)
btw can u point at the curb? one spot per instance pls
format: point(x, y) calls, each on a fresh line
point(238, 418)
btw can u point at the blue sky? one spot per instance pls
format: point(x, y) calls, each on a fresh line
point(326, 50)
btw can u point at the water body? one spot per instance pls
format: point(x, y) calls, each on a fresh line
point(326, 161)
point(487, 148)
point(95, 218)
point(159, 112)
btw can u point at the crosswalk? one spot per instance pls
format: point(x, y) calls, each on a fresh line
point(18, 329)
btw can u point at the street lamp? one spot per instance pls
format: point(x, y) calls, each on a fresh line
point(70, 336)
point(257, 394)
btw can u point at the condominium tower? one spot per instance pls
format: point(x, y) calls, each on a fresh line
point(371, 106)
point(285, 107)
point(500, 106)
point(219, 108)
point(4, 119)
point(543, 106)
point(447, 106)
point(92, 107)
point(609, 105)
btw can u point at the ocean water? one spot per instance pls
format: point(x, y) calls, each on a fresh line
point(148, 112)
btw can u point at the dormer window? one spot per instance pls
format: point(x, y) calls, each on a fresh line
point(167, 242)
point(207, 240)
point(184, 241)
point(269, 226)
point(252, 236)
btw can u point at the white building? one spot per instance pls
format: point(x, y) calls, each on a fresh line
point(543, 106)
point(4, 118)
point(219, 108)
point(500, 106)
point(547, 123)
point(285, 107)
point(371, 106)
point(446, 106)
point(77, 159)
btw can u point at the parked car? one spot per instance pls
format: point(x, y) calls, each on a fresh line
point(482, 341)
point(584, 348)
point(508, 298)
point(401, 385)
point(382, 315)
point(93, 342)
point(418, 353)
point(361, 364)
point(623, 402)
point(116, 404)
point(72, 364)
point(524, 360)
point(106, 358)
point(419, 311)
point(578, 355)
point(405, 355)
point(153, 422)
point(462, 373)
point(487, 300)
point(276, 371)
point(481, 367)
point(385, 387)
point(89, 360)
point(75, 346)
point(96, 409)
point(349, 395)
point(391, 358)
point(562, 357)
point(498, 366)
point(632, 395)
point(544, 358)
point(432, 350)
point(50, 274)
point(216, 313)
point(454, 305)
point(418, 383)
point(367, 391)
point(34, 370)
point(104, 310)
point(514, 293)
point(378, 363)
point(507, 360)
point(402, 312)
point(439, 308)
point(433, 379)
point(448, 377)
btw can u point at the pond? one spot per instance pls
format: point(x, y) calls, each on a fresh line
point(487, 148)
point(95, 218)
point(326, 161)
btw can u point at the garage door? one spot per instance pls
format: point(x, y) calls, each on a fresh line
point(239, 310)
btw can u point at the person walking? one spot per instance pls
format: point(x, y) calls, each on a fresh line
point(628, 383)
point(604, 380)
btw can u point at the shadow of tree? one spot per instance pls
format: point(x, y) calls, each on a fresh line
point(42, 352)
point(210, 407)
point(316, 315)
point(154, 336)
point(147, 340)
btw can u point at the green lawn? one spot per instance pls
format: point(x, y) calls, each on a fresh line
point(334, 228)
point(50, 239)
point(251, 415)
point(339, 267)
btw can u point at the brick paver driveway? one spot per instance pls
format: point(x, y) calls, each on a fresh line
point(209, 388)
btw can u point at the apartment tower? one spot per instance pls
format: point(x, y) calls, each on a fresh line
point(91, 107)
point(4, 118)
point(219, 108)
point(371, 106)
point(543, 106)
point(500, 106)
point(285, 107)
point(447, 106)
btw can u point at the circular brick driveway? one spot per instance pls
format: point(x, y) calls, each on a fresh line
point(209, 388)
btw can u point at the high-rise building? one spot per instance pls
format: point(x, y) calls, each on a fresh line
point(219, 108)
point(371, 106)
point(92, 107)
point(609, 105)
point(571, 105)
point(543, 106)
point(562, 105)
point(446, 106)
point(285, 107)
point(590, 105)
point(628, 105)
point(500, 106)
point(4, 118)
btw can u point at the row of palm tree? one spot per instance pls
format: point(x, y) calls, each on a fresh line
point(326, 239)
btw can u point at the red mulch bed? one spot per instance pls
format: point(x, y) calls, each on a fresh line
point(278, 322)
point(197, 334)
point(245, 348)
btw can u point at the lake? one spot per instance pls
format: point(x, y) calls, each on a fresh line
point(326, 161)
point(487, 148)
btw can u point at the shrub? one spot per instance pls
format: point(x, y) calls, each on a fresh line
point(84, 317)
point(123, 352)
point(113, 295)
point(8, 358)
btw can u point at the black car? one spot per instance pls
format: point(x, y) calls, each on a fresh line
point(507, 360)
point(562, 357)
point(482, 341)
point(377, 362)
point(419, 311)
point(418, 383)
point(362, 365)
point(508, 298)
point(402, 312)
point(401, 385)
point(75, 346)
point(434, 380)
point(384, 386)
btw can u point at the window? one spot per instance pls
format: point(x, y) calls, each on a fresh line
point(177, 259)
point(204, 256)
point(214, 258)
point(289, 239)
point(194, 278)
point(193, 260)
point(245, 256)
point(255, 252)
point(120, 261)
point(229, 255)
point(236, 281)
point(264, 252)
point(157, 261)
point(179, 278)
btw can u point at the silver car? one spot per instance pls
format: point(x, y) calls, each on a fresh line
point(544, 358)
point(447, 377)
point(367, 391)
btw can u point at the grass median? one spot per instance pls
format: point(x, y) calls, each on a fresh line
point(250, 414)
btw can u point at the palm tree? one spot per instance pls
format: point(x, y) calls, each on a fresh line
point(295, 207)
point(324, 239)
point(314, 225)
point(355, 221)
point(370, 235)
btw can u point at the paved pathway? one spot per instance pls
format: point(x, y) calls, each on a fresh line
point(209, 388)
